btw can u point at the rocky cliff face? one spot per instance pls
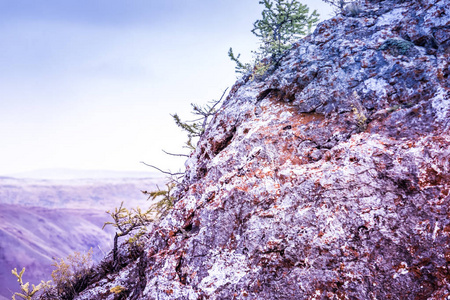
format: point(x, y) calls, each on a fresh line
point(327, 179)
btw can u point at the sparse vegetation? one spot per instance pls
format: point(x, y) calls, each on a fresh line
point(71, 274)
point(127, 221)
point(135, 220)
point(118, 289)
point(360, 112)
point(260, 69)
point(241, 67)
point(26, 293)
point(282, 23)
point(361, 118)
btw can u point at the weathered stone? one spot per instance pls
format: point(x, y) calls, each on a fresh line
point(329, 179)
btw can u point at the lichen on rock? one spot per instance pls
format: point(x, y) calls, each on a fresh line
point(288, 196)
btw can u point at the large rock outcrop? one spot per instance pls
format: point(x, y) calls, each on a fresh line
point(327, 179)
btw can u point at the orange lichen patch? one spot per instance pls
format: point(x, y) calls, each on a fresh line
point(258, 173)
point(350, 252)
point(293, 158)
point(306, 118)
point(169, 292)
point(366, 210)
point(446, 231)
point(445, 192)
point(242, 188)
point(273, 244)
point(266, 214)
point(433, 176)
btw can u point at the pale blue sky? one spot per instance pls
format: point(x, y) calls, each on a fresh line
point(91, 84)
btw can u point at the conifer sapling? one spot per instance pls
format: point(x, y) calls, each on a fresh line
point(283, 22)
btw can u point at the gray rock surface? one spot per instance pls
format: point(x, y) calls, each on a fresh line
point(326, 179)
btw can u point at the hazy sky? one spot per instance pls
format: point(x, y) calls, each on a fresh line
point(91, 84)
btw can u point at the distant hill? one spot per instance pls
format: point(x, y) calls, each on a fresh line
point(77, 193)
point(63, 173)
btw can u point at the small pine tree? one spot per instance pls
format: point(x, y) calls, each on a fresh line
point(283, 22)
point(127, 221)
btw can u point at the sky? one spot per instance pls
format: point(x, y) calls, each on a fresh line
point(92, 84)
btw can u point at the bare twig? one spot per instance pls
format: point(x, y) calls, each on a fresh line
point(175, 154)
point(221, 97)
point(165, 172)
point(196, 120)
point(205, 120)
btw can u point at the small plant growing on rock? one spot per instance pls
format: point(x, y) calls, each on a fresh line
point(259, 69)
point(360, 112)
point(197, 127)
point(241, 67)
point(71, 275)
point(127, 221)
point(135, 220)
point(165, 203)
point(361, 118)
point(256, 69)
point(26, 293)
point(282, 23)
point(118, 289)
